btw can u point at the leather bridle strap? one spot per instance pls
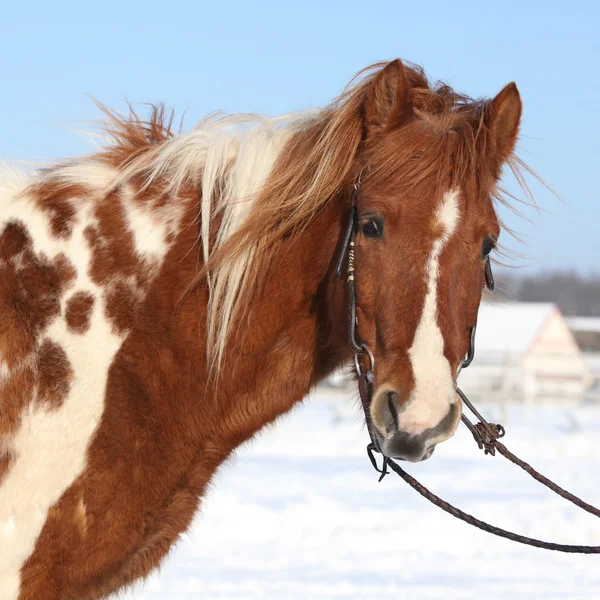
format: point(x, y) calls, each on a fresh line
point(365, 377)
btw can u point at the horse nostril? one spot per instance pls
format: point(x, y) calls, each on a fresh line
point(428, 453)
point(391, 402)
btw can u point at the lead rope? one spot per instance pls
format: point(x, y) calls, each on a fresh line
point(486, 434)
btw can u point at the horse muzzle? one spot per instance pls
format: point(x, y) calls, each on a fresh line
point(409, 431)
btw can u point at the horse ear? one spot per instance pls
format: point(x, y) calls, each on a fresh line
point(387, 103)
point(502, 119)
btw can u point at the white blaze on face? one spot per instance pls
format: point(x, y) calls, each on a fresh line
point(434, 385)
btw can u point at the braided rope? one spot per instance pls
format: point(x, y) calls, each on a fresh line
point(475, 522)
point(545, 481)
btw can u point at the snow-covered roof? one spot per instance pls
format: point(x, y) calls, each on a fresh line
point(591, 324)
point(510, 327)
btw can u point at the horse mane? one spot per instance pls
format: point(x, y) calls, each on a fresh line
point(261, 180)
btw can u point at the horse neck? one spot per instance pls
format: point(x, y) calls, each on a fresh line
point(295, 317)
point(286, 341)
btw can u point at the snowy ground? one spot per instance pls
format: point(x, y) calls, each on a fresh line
point(298, 514)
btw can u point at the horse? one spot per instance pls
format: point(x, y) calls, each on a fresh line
point(170, 295)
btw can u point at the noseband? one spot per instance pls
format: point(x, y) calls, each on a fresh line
point(485, 434)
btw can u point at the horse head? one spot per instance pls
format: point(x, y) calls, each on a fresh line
point(425, 227)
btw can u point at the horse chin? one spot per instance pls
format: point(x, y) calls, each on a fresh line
point(395, 447)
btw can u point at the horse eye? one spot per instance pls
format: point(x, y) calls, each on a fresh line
point(487, 247)
point(372, 227)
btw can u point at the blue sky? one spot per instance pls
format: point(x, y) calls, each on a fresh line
point(272, 57)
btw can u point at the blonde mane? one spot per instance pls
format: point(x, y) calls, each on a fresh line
point(258, 178)
point(228, 160)
point(261, 179)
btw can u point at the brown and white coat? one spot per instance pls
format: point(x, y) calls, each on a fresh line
point(164, 299)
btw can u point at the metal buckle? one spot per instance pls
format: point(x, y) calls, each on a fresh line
point(359, 372)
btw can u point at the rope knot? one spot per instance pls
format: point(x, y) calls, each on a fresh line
point(486, 435)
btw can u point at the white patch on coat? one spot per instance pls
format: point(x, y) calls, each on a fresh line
point(434, 385)
point(50, 446)
point(10, 584)
point(148, 232)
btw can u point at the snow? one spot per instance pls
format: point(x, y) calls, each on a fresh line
point(298, 514)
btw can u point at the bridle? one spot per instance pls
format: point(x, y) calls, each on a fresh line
point(485, 434)
point(365, 378)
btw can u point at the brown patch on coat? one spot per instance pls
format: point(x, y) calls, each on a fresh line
point(17, 340)
point(115, 265)
point(32, 286)
point(6, 460)
point(40, 284)
point(79, 311)
point(121, 302)
point(112, 244)
point(56, 199)
point(54, 374)
point(31, 289)
point(13, 240)
point(16, 393)
point(65, 270)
